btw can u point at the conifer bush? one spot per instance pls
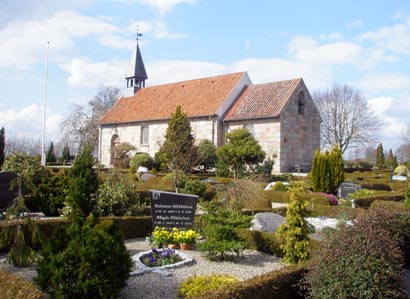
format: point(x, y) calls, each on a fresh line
point(294, 232)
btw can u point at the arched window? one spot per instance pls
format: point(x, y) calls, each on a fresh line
point(301, 103)
point(115, 141)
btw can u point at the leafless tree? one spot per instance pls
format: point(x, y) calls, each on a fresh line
point(13, 143)
point(346, 120)
point(81, 125)
point(403, 153)
point(405, 137)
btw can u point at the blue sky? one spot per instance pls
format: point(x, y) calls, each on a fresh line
point(363, 43)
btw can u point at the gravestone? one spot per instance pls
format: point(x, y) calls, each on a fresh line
point(7, 195)
point(267, 222)
point(171, 210)
point(345, 189)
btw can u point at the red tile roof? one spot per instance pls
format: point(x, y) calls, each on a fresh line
point(198, 97)
point(262, 100)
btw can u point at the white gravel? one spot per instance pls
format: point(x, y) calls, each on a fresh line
point(157, 285)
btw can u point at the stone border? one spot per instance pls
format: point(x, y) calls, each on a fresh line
point(186, 260)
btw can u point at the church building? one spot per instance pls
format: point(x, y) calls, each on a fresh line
point(280, 115)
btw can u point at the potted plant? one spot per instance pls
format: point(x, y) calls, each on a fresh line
point(187, 239)
point(162, 237)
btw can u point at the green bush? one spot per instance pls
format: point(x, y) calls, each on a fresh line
point(294, 232)
point(197, 284)
point(50, 195)
point(142, 159)
point(195, 187)
point(388, 205)
point(219, 226)
point(283, 283)
point(376, 186)
point(360, 261)
point(277, 196)
point(94, 263)
point(365, 202)
point(279, 186)
point(117, 197)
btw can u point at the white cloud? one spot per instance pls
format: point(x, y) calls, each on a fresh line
point(28, 121)
point(393, 38)
point(84, 72)
point(24, 43)
point(163, 6)
point(307, 50)
point(259, 70)
point(380, 105)
point(386, 81)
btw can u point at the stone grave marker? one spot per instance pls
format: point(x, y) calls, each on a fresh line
point(171, 210)
point(345, 189)
point(267, 222)
point(7, 195)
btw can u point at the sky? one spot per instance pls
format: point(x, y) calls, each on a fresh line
point(88, 44)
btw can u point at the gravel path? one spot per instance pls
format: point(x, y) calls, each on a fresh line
point(156, 285)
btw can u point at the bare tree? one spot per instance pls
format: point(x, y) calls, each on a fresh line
point(81, 125)
point(24, 145)
point(403, 153)
point(405, 137)
point(346, 120)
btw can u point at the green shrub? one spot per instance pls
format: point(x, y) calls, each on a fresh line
point(197, 284)
point(376, 186)
point(51, 193)
point(277, 196)
point(117, 197)
point(361, 193)
point(294, 232)
point(13, 287)
point(219, 226)
point(283, 283)
point(279, 186)
point(360, 261)
point(195, 187)
point(94, 263)
point(142, 159)
point(365, 202)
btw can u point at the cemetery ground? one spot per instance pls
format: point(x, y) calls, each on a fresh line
point(263, 256)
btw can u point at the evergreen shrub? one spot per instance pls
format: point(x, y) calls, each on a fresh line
point(282, 283)
point(197, 284)
point(84, 262)
point(195, 187)
point(141, 159)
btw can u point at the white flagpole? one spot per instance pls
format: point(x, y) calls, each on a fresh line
point(43, 153)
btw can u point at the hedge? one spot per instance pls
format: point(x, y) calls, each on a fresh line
point(131, 226)
point(283, 283)
point(13, 287)
point(366, 201)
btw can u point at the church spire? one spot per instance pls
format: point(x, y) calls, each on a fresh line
point(136, 74)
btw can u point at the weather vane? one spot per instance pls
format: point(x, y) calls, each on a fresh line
point(138, 32)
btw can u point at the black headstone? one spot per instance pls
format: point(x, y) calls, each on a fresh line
point(346, 188)
point(7, 194)
point(171, 210)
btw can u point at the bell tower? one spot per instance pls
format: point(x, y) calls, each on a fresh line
point(136, 74)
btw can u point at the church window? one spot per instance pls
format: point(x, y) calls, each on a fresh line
point(301, 103)
point(144, 135)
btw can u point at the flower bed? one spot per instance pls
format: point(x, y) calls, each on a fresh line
point(158, 259)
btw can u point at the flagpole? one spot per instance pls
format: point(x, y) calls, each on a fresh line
point(43, 154)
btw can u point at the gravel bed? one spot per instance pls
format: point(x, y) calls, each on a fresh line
point(165, 283)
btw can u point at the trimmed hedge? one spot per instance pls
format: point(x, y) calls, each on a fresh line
point(283, 283)
point(365, 202)
point(13, 287)
point(391, 206)
point(131, 227)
